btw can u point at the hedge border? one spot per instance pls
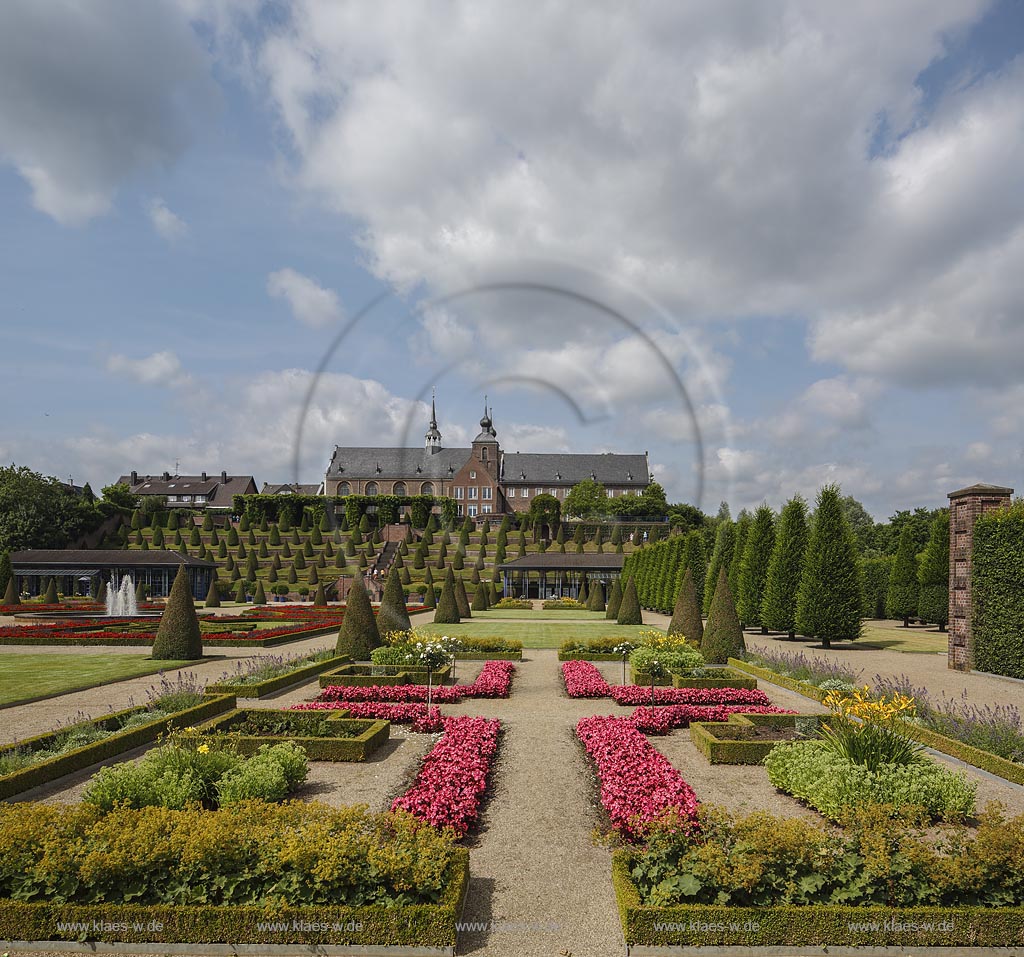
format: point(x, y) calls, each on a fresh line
point(587, 656)
point(983, 760)
point(421, 925)
point(821, 925)
point(489, 655)
point(706, 736)
point(130, 641)
point(358, 748)
point(341, 678)
point(263, 688)
point(57, 767)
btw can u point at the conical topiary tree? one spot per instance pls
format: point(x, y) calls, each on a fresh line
point(723, 636)
point(492, 594)
point(757, 555)
point(11, 596)
point(462, 598)
point(213, 595)
point(358, 635)
point(721, 557)
point(695, 559)
point(629, 609)
point(933, 574)
point(447, 612)
point(50, 595)
point(178, 636)
point(595, 600)
point(240, 592)
point(6, 571)
point(393, 615)
point(614, 601)
point(686, 618)
point(429, 596)
point(830, 599)
point(320, 599)
point(584, 594)
point(902, 600)
point(481, 600)
point(778, 607)
point(743, 523)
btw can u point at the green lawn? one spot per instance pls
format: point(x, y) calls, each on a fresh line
point(540, 634)
point(27, 677)
point(892, 636)
point(559, 615)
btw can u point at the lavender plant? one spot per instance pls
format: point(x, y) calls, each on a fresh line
point(812, 669)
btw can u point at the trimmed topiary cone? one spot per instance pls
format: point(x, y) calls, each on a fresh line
point(179, 636)
point(629, 609)
point(393, 615)
point(358, 635)
point(429, 596)
point(462, 598)
point(723, 636)
point(595, 601)
point(11, 596)
point(320, 599)
point(614, 601)
point(50, 596)
point(213, 595)
point(260, 598)
point(686, 618)
point(584, 595)
point(481, 600)
point(447, 612)
point(240, 592)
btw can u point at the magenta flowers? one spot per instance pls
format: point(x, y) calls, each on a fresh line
point(453, 778)
point(415, 714)
point(662, 719)
point(583, 680)
point(494, 681)
point(638, 785)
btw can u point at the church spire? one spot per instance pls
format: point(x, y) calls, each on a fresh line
point(433, 436)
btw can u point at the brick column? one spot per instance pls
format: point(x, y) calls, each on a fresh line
point(965, 506)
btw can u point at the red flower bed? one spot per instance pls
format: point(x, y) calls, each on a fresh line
point(453, 778)
point(583, 680)
point(494, 681)
point(415, 714)
point(638, 785)
point(661, 720)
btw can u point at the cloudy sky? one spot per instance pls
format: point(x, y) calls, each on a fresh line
point(773, 243)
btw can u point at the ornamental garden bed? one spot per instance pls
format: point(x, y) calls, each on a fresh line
point(293, 675)
point(116, 739)
point(748, 738)
point(323, 736)
point(369, 675)
point(114, 637)
point(706, 678)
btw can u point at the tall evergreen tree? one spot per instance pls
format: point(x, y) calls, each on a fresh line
point(462, 598)
point(481, 600)
point(213, 595)
point(6, 571)
point(686, 618)
point(721, 557)
point(933, 574)
point(614, 601)
point(358, 635)
point(743, 524)
point(178, 636)
point(830, 598)
point(393, 615)
point(595, 600)
point(447, 612)
point(629, 609)
point(786, 567)
point(723, 636)
point(757, 555)
point(901, 602)
point(11, 596)
point(695, 560)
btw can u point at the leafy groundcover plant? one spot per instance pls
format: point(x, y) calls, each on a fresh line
point(250, 853)
point(763, 860)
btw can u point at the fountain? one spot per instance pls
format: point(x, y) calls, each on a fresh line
point(121, 598)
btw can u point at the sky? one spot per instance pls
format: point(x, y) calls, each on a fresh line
point(772, 244)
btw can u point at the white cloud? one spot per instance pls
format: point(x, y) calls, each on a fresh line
point(166, 222)
point(309, 301)
point(161, 368)
point(92, 95)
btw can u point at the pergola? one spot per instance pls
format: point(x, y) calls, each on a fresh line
point(558, 574)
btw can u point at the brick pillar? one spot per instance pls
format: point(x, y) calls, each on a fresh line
point(965, 506)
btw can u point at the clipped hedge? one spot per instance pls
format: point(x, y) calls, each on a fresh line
point(359, 676)
point(71, 761)
point(262, 688)
point(997, 592)
point(800, 687)
point(139, 641)
point(728, 678)
point(730, 742)
point(372, 735)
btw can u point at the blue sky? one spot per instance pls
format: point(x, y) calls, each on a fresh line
point(811, 217)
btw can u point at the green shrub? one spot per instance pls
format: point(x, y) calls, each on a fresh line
point(901, 602)
point(680, 661)
point(614, 601)
point(462, 598)
point(393, 615)
point(629, 609)
point(723, 636)
point(447, 612)
point(686, 617)
point(832, 785)
point(875, 574)
point(358, 634)
point(785, 568)
point(178, 635)
point(933, 574)
point(997, 592)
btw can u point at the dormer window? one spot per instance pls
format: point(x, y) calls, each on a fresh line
point(472, 475)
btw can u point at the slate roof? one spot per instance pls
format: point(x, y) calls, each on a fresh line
point(362, 463)
point(570, 561)
point(103, 558)
point(216, 491)
point(568, 468)
point(290, 488)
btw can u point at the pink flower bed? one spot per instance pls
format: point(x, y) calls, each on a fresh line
point(417, 715)
point(634, 694)
point(661, 720)
point(453, 778)
point(583, 680)
point(494, 681)
point(638, 785)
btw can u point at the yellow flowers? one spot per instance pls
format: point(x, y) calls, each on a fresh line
point(203, 749)
point(659, 641)
point(862, 706)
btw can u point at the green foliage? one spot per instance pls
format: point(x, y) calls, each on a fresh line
point(50, 596)
point(997, 592)
point(629, 608)
point(481, 598)
point(686, 617)
point(785, 568)
point(614, 601)
point(213, 595)
point(595, 599)
point(757, 554)
point(545, 510)
point(260, 597)
point(585, 499)
point(833, 785)
point(678, 661)
point(393, 615)
point(743, 525)
point(447, 612)
point(901, 601)
point(875, 574)
point(358, 635)
point(462, 598)
point(721, 557)
point(723, 636)
point(11, 596)
point(830, 597)
point(933, 574)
